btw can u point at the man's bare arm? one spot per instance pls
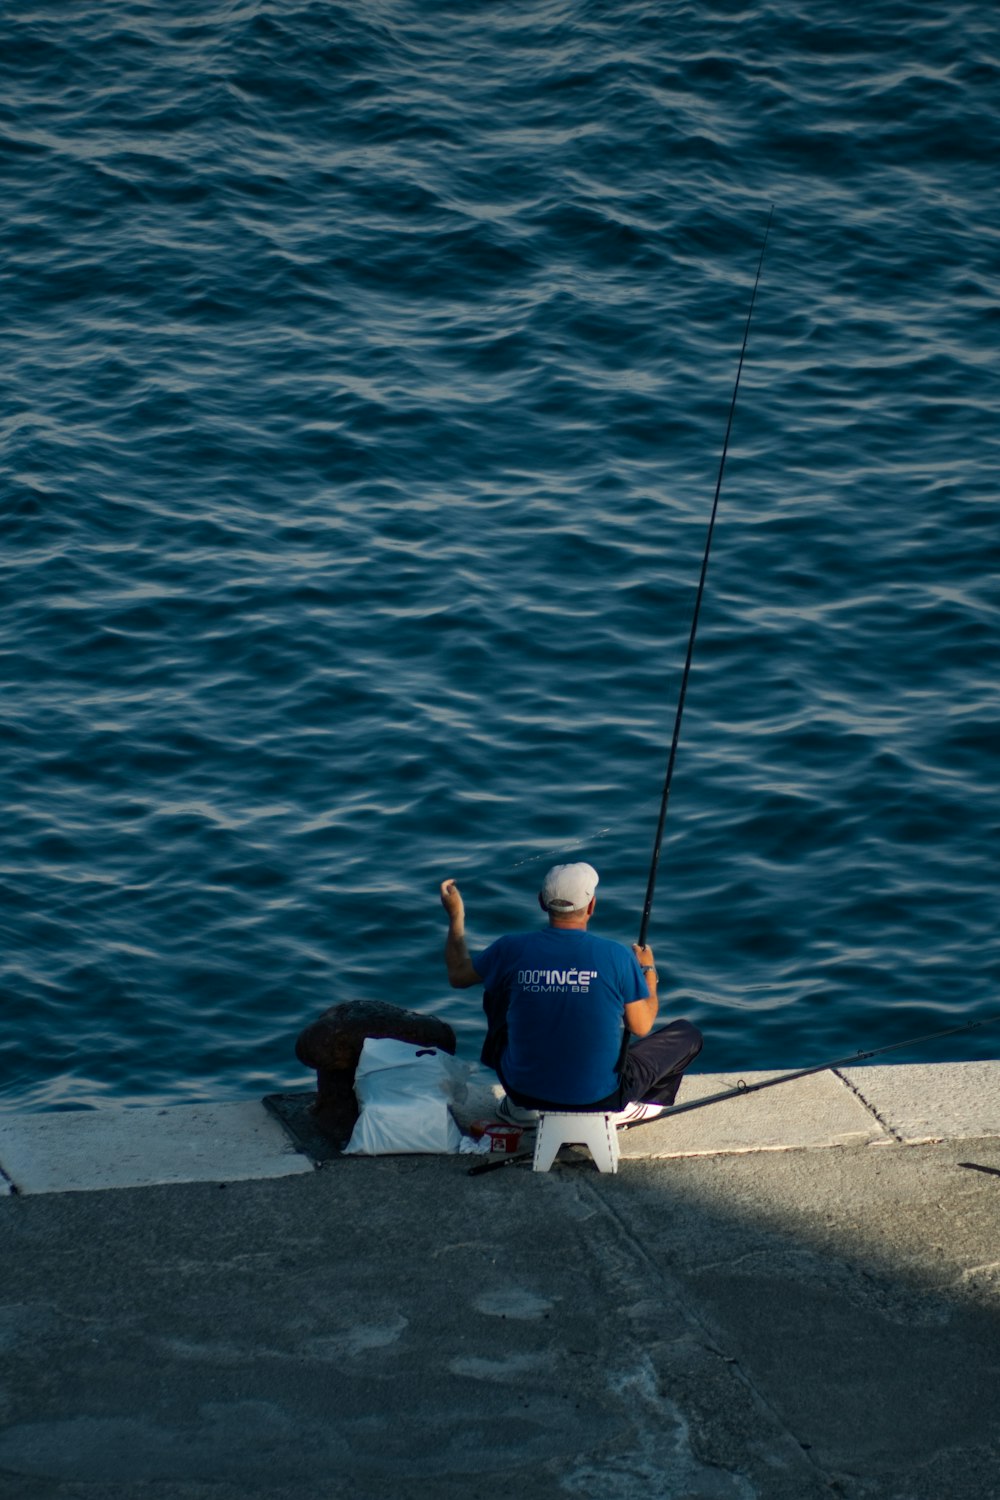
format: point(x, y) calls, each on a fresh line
point(461, 974)
point(640, 1014)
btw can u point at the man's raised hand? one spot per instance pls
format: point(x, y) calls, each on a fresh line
point(452, 902)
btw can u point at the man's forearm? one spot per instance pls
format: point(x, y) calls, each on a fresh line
point(641, 1014)
point(461, 974)
point(456, 953)
point(653, 1003)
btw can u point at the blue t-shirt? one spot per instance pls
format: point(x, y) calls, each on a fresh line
point(567, 991)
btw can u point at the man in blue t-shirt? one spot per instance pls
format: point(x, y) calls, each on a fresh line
point(561, 1005)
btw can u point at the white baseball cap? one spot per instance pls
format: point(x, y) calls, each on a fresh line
point(569, 887)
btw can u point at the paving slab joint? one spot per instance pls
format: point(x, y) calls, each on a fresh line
point(890, 1131)
point(700, 1328)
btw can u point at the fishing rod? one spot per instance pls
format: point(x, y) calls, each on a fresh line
point(743, 1088)
point(651, 886)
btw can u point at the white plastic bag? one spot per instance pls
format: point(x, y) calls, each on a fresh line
point(404, 1093)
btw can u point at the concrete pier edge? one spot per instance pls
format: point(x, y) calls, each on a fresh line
point(791, 1295)
point(124, 1147)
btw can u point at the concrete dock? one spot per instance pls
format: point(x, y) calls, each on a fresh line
point(792, 1295)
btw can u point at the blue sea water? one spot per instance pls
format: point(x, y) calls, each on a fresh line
point(365, 370)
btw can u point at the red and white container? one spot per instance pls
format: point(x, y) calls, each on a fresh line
point(504, 1139)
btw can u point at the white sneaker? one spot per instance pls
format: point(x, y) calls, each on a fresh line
point(512, 1114)
point(634, 1114)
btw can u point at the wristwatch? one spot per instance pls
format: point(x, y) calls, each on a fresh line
point(649, 969)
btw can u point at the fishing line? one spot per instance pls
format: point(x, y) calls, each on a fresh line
point(651, 886)
point(530, 859)
point(743, 1088)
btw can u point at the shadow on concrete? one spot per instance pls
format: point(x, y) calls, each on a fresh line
point(785, 1325)
point(296, 1114)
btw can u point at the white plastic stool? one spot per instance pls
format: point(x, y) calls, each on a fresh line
point(557, 1128)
